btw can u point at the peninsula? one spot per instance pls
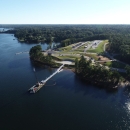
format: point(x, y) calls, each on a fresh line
point(97, 53)
point(89, 60)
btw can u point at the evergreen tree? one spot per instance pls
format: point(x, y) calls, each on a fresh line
point(76, 65)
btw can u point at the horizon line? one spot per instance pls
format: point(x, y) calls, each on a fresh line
point(59, 24)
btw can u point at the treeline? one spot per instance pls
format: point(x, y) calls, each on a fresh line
point(120, 44)
point(68, 34)
point(118, 35)
point(96, 74)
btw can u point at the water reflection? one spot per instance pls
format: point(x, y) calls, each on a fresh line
point(126, 98)
point(128, 106)
point(18, 63)
point(70, 104)
point(127, 91)
point(89, 88)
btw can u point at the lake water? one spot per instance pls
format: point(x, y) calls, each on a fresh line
point(5, 29)
point(69, 105)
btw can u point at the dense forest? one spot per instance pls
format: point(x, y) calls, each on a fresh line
point(118, 35)
point(68, 34)
point(120, 45)
point(96, 74)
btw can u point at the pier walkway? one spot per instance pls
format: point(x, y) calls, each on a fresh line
point(57, 71)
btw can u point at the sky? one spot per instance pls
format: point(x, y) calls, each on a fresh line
point(64, 11)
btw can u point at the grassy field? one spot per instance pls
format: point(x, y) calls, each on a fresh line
point(99, 49)
point(115, 64)
point(67, 57)
point(78, 50)
point(68, 48)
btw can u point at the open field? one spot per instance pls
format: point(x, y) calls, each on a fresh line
point(78, 50)
point(68, 48)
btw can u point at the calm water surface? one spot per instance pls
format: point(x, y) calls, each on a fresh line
point(69, 105)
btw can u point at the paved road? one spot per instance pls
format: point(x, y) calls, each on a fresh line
point(82, 43)
point(65, 62)
point(93, 45)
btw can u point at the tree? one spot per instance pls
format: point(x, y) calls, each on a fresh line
point(35, 52)
point(128, 70)
point(76, 65)
point(82, 64)
point(48, 59)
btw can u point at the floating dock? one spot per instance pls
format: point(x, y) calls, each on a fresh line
point(39, 85)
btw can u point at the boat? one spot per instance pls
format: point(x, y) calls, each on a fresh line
point(37, 87)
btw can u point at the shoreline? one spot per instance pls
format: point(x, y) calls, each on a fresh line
point(99, 85)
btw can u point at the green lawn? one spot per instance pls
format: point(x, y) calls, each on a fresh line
point(67, 57)
point(68, 48)
point(99, 49)
point(78, 50)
